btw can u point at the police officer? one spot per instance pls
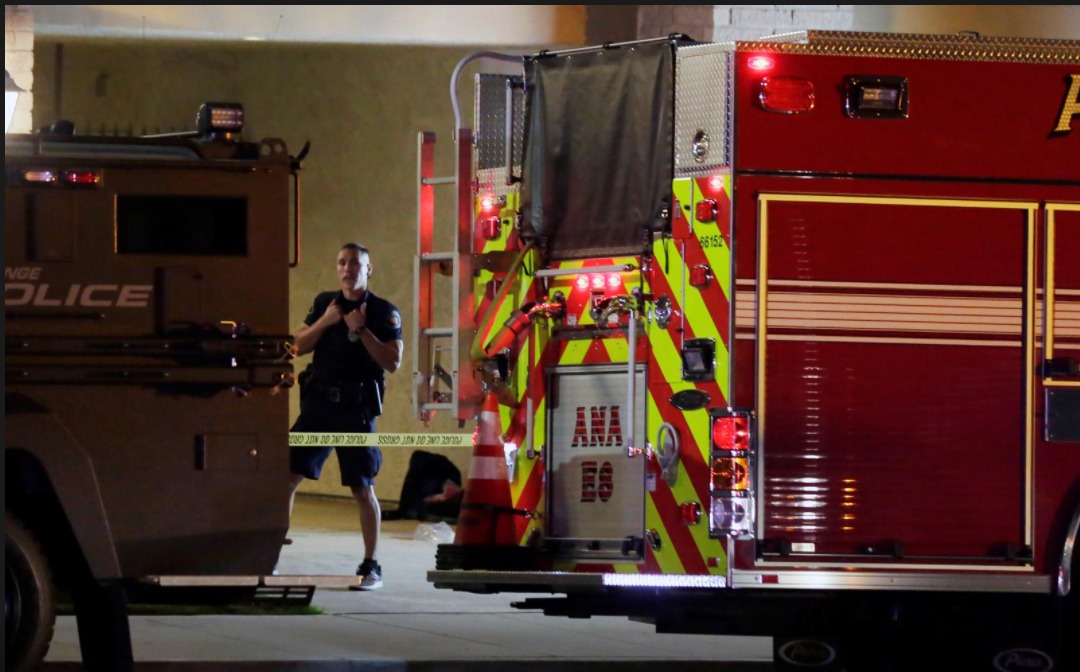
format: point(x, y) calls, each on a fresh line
point(356, 338)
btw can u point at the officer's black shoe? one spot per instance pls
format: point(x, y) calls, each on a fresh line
point(370, 574)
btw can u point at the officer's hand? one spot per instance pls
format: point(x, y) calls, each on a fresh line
point(357, 318)
point(333, 313)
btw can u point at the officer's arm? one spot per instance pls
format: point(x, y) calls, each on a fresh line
point(306, 336)
point(386, 353)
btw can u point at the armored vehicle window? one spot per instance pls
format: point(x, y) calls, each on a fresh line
point(181, 225)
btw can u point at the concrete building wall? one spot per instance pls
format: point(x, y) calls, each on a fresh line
point(19, 60)
point(723, 23)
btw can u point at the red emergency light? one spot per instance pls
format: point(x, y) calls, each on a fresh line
point(81, 177)
point(597, 281)
point(760, 63)
point(700, 275)
point(705, 210)
point(490, 227)
point(786, 95)
point(690, 513)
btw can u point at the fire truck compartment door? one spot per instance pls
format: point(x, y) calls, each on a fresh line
point(896, 364)
point(1061, 323)
point(596, 493)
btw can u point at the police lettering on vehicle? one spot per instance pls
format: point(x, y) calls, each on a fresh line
point(86, 296)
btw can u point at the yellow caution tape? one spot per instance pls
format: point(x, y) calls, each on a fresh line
point(421, 440)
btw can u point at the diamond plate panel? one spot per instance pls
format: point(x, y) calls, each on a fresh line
point(489, 138)
point(910, 45)
point(703, 93)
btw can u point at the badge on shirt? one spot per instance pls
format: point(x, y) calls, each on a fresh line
point(394, 320)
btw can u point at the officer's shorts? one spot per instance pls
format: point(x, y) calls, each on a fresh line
point(359, 464)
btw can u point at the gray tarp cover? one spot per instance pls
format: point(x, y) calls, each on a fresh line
point(598, 148)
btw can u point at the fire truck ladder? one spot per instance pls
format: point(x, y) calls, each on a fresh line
point(442, 377)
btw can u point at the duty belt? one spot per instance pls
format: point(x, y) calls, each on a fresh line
point(344, 392)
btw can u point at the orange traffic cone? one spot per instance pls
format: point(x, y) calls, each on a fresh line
point(487, 513)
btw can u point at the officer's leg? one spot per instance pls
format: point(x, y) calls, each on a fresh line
point(370, 517)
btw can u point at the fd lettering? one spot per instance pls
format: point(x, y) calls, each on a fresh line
point(593, 487)
point(1070, 107)
point(602, 430)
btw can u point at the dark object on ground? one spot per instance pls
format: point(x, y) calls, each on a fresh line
point(431, 491)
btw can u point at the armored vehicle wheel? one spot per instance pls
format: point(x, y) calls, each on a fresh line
point(29, 601)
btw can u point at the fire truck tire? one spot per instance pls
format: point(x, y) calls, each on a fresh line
point(29, 598)
point(802, 654)
point(1070, 620)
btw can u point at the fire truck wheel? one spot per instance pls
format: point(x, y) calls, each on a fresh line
point(794, 654)
point(1070, 620)
point(29, 606)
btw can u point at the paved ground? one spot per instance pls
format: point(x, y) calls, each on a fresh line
point(408, 625)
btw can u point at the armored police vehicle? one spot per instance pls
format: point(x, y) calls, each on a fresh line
point(147, 361)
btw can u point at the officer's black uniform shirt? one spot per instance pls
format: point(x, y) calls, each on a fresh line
point(338, 358)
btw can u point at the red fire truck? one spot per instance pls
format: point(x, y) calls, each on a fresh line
point(784, 336)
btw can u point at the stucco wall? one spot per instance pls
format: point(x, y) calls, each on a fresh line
point(19, 61)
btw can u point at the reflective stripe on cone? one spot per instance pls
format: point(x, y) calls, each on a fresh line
point(487, 515)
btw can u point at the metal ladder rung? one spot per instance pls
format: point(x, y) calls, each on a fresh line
point(438, 256)
point(445, 275)
point(438, 406)
point(432, 181)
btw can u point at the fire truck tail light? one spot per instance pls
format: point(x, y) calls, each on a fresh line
point(731, 432)
point(597, 281)
point(786, 95)
point(732, 515)
point(582, 282)
point(613, 280)
point(730, 473)
point(82, 177)
point(487, 203)
point(39, 176)
point(760, 63)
